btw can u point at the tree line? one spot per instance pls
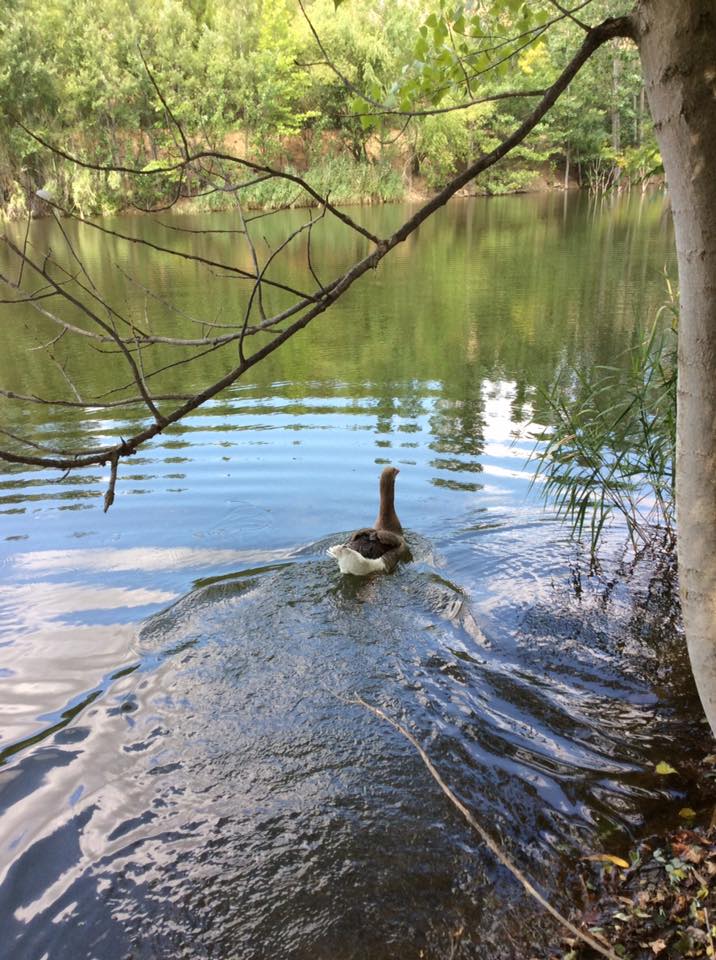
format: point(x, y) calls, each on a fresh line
point(86, 75)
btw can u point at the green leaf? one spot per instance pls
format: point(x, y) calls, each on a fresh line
point(664, 769)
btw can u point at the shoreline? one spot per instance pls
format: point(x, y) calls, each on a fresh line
point(415, 190)
point(193, 206)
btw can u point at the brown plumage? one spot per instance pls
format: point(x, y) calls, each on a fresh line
point(381, 545)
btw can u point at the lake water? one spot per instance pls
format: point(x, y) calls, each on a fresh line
point(182, 775)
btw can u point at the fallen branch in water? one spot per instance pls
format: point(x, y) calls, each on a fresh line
point(604, 950)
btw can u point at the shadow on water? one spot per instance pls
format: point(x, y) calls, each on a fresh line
point(192, 783)
point(234, 804)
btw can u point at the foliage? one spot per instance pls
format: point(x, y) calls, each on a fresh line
point(345, 179)
point(612, 447)
point(662, 906)
point(81, 72)
point(444, 144)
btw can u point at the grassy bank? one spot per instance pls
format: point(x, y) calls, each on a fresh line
point(387, 177)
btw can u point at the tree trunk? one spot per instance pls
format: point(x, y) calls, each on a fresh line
point(566, 169)
point(677, 44)
point(616, 116)
point(642, 95)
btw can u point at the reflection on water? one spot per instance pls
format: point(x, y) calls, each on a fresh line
point(181, 773)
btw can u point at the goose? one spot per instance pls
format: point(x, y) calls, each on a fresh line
point(375, 549)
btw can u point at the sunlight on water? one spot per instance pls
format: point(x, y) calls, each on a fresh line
point(182, 773)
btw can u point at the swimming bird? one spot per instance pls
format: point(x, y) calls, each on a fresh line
point(375, 549)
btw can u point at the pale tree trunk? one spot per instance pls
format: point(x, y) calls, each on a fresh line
point(566, 169)
point(677, 45)
point(616, 117)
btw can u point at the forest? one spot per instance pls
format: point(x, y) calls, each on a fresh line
point(247, 73)
point(270, 269)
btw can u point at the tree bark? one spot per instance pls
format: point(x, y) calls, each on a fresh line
point(616, 116)
point(677, 45)
point(566, 169)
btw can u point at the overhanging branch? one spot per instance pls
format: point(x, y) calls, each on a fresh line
point(306, 309)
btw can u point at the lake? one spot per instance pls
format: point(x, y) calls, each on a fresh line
point(183, 774)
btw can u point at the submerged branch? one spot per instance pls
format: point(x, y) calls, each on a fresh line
point(492, 845)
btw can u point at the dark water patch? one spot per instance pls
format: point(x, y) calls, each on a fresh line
point(198, 785)
point(250, 771)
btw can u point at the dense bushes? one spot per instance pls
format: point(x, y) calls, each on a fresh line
point(81, 73)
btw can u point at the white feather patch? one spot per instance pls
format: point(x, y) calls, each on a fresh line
point(350, 561)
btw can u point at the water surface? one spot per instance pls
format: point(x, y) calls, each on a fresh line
point(184, 774)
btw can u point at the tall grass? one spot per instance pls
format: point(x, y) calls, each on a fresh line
point(611, 448)
point(340, 177)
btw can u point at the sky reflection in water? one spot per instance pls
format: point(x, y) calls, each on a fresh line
point(182, 775)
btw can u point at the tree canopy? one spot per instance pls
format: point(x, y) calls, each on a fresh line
point(86, 75)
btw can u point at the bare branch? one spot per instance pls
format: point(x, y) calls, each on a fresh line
point(257, 288)
point(24, 243)
point(90, 404)
point(162, 207)
point(570, 14)
point(243, 274)
point(203, 232)
point(306, 310)
point(463, 105)
point(75, 257)
point(65, 376)
point(109, 495)
point(100, 323)
point(29, 299)
point(166, 106)
point(604, 949)
point(305, 226)
point(181, 165)
point(31, 443)
point(50, 343)
point(171, 308)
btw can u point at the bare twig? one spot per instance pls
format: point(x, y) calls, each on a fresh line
point(90, 404)
point(570, 15)
point(101, 323)
point(205, 231)
point(492, 845)
point(166, 106)
point(18, 283)
point(304, 226)
point(109, 495)
point(66, 377)
point(31, 443)
point(140, 241)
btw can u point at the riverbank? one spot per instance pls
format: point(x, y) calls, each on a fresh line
point(383, 175)
point(658, 899)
